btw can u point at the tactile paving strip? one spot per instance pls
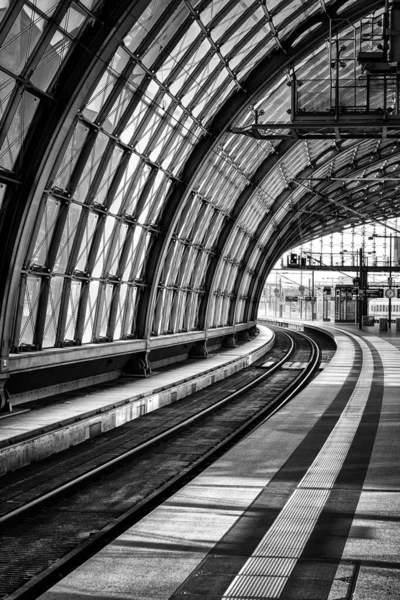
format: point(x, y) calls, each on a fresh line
point(290, 531)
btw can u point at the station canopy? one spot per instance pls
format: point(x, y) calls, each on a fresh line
point(136, 197)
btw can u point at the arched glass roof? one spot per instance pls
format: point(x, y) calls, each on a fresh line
point(128, 208)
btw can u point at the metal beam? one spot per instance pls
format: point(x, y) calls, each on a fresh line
point(239, 208)
point(348, 208)
point(350, 179)
point(86, 62)
point(356, 121)
point(265, 74)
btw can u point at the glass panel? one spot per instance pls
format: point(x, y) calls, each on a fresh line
point(29, 311)
point(108, 175)
point(153, 201)
point(166, 311)
point(131, 253)
point(90, 312)
point(169, 153)
point(118, 247)
point(164, 35)
point(199, 86)
point(86, 241)
point(4, 5)
point(237, 34)
point(242, 62)
point(72, 20)
point(18, 130)
point(159, 196)
point(131, 128)
point(136, 77)
point(132, 300)
point(161, 140)
point(287, 16)
point(103, 247)
point(117, 110)
point(134, 192)
point(211, 11)
point(43, 240)
point(118, 333)
point(99, 96)
point(67, 238)
point(144, 24)
point(105, 309)
point(200, 271)
point(91, 167)
point(135, 263)
point(188, 216)
point(3, 189)
point(124, 184)
point(150, 129)
point(52, 312)
point(175, 57)
point(90, 3)
point(182, 154)
point(70, 157)
point(46, 6)
point(21, 40)
point(184, 75)
point(142, 256)
point(51, 61)
point(105, 86)
point(7, 86)
point(73, 305)
point(186, 267)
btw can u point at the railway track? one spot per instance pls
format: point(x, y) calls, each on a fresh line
point(52, 521)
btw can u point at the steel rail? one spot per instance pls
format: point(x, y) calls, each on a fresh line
point(17, 512)
point(44, 580)
point(303, 377)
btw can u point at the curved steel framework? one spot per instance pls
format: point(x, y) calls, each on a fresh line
point(127, 208)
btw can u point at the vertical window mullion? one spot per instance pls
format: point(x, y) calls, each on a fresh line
point(95, 244)
point(10, 111)
point(35, 231)
point(80, 320)
point(77, 241)
point(80, 165)
point(111, 247)
point(130, 302)
point(41, 312)
point(57, 235)
point(19, 311)
point(100, 307)
point(62, 319)
point(51, 28)
point(10, 19)
point(113, 311)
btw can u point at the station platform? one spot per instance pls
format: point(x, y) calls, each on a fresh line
point(307, 507)
point(390, 335)
point(42, 429)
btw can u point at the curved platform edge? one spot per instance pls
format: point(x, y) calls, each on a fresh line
point(33, 436)
point(194, 541)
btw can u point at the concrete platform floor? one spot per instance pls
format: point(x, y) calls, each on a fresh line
point(306, 507)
